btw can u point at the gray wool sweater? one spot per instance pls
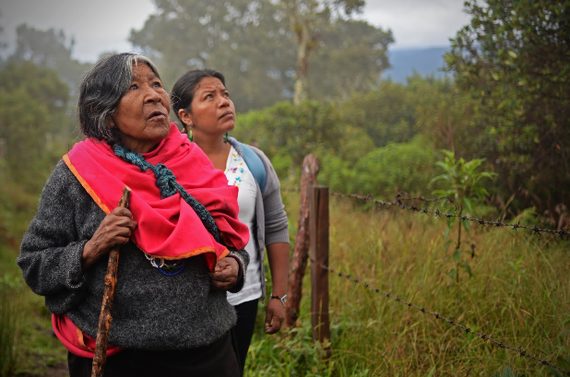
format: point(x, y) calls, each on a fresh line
point(150, 310)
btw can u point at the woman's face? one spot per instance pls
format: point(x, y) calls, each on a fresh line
point(212, 111)
point(142, 112)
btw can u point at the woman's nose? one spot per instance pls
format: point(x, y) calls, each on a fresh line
point(224, 101)
point(152, 95)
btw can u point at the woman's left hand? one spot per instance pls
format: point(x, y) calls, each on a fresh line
point(225, 274)
point(274, 317)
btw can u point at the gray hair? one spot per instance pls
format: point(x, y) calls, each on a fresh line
point(100, 91)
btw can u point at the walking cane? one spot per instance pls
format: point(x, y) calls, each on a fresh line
point(105, 317)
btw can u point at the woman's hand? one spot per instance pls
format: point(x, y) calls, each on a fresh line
point(114, 230)
point(274, 316)
point(225, 274)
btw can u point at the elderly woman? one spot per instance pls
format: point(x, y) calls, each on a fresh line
point(202, 103)
point(181, 241)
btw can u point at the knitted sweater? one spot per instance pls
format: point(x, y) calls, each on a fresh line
point(150, 310)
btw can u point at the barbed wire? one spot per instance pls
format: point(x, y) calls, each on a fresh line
point(398, 203)
point(439, 316)
point(424, 199)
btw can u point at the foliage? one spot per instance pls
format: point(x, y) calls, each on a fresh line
point(507, 372)
point(34, 130)
point(514, 57)
point(444, 115)
point(247, 41)
point(290, 130)
point(351, 56)
point(387, 113)
point(48, 49)
point(253, 45)
point(397, 167)
point(398, 252)
point(9, 323)
point(463, 187)
point(312, 22)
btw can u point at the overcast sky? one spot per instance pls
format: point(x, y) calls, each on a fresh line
point(104, 25)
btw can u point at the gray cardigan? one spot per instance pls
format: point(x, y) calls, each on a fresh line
point(270, 222)
point(150, 310)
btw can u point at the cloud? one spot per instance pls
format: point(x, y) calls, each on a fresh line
point(97, 26)
point(417, 23)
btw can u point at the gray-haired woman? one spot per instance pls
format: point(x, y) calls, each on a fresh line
point(182, 245)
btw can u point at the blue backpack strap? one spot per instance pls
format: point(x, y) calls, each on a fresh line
point(254, 164)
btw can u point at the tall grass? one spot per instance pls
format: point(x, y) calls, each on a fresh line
point(9, 323)
point(519, 294)
point(27, 344)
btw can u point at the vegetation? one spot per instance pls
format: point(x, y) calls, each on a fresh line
point(514, 58)
point(265, 47)
point(505, 113)
point(517, 295)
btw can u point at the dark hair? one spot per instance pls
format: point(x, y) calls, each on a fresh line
point(100, 91)
point(183, 91)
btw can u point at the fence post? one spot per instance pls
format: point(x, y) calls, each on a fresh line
point(319, 225)
point(309, 171)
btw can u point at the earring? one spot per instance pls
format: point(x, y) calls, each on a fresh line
point(190, 136)
point(226, 137)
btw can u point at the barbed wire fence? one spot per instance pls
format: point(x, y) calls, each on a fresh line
point(440, 317)
point(498, 223)
point(399, 203)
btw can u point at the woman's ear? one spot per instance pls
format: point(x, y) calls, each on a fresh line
point(186, 118)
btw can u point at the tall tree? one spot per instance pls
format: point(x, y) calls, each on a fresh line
point(515, 57)
point(252, 43)
point(48, 49)
point(351, 57)
point(310, 20)
point(245, 40)
point(33, 104)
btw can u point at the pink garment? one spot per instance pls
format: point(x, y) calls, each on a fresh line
point(167, 228)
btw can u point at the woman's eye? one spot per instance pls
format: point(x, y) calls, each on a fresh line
point(227, 94)
point(157, 84)
point(209, 96)
point(134, 86)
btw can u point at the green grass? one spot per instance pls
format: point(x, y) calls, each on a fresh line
point(519, 294)
point(27, 344)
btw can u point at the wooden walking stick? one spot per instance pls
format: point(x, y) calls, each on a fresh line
point(105, 317)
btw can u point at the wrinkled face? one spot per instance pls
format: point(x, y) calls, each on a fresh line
point(142, 112)
point(212, 111)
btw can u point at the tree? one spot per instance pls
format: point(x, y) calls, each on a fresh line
point(33, 124)
point(309, 20)
point(387, 113)
point(48, 49)
point(319, 23)
point(251, 42)
point(514, 57)
point(350, 57)
point(245, 40)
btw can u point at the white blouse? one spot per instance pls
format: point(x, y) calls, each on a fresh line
point(239, 175)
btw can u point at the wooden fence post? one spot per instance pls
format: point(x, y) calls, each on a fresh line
point(309, 171)
point(319, 225)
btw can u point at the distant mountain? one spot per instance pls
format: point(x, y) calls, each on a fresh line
point(425, 61)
